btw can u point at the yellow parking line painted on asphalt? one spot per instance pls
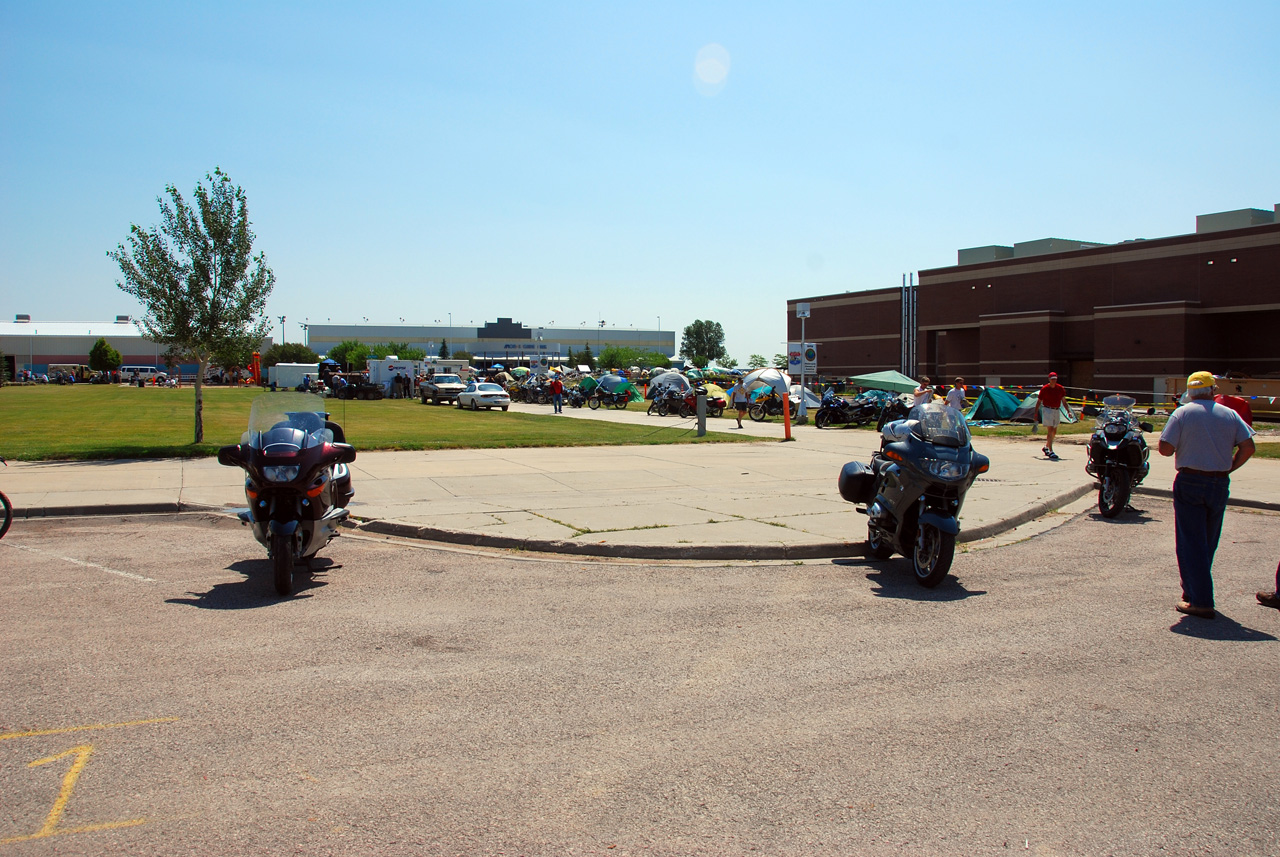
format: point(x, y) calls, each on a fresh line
point(4, 736)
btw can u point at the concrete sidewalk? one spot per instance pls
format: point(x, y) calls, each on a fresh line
point(764, 500)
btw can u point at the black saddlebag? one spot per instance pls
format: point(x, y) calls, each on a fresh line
point(857, 483)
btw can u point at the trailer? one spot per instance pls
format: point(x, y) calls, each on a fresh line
point(290, 375)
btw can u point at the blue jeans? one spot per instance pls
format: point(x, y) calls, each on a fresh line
point(558, 401)
point(1199, 504)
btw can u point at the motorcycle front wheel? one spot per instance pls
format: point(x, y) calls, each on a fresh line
point(932, 556)
point(1113, 493)
point(282, 562)
point(757, 413)
point(593, 403)
point(823, 419)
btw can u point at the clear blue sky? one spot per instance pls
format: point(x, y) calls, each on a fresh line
point(562, 162)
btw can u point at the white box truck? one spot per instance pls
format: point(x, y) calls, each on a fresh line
point(287, 376)
point(383, 369)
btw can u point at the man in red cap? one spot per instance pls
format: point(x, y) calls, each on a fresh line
point(1050, 401)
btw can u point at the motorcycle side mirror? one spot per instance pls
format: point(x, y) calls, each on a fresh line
point(346, 452)
point(1146, 427)
point(232, 456)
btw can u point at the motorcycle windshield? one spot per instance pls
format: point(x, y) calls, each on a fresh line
point(940, 425)
point(284, 423)
point(1116, 408)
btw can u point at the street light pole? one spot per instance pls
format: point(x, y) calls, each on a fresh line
point(282, 333)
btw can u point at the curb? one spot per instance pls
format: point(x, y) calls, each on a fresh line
point(1231, 501)
point(1030, 513)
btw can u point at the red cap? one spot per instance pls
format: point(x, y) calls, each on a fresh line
point(1053, 374)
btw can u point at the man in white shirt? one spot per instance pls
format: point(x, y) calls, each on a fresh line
point(956, 396)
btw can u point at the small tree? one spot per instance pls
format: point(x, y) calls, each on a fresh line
point(402, 351)
point(193, 276)
point(352, 355)
point(702, 342)
point(586, 358)
point(443, 353)
point(288, 352)
point(780, 361)
point(756, 361)
point(462, 355)
point(104, 358)
point(4, 367)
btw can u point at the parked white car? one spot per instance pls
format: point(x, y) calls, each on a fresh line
point(484, 395)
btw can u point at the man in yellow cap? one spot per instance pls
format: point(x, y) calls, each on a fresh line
point(1207, 441)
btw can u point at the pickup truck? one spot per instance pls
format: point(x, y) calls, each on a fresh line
point(440, 388)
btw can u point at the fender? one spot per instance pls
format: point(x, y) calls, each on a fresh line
point(288, 528)
point(945, 523)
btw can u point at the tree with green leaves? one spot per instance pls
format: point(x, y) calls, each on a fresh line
point(443, 353)
point(350, 354)
point(399, 350)
point(104, 358)
point(703, 342)
point(195, 275)
point(756, 361)
point(780, 361)
point(288, 352)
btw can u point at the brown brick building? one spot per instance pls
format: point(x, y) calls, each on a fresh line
point(1105, 317)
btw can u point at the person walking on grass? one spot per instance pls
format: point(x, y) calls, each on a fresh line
point(1208, 441)
point(1049, 402)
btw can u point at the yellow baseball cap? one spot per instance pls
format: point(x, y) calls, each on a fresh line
point(1200, 380)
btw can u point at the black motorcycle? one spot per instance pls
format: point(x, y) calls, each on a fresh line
point(891, 410)
point(1118, 454)
point(296, 479)
point(837, 411)
point(914, 488)
point(574, 397)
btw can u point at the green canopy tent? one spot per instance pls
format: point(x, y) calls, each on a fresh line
point(890, 380)
point(993, 404)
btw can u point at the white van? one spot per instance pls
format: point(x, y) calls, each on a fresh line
point(144, 373)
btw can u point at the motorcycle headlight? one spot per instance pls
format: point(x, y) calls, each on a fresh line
point(946, 469)
point(281, 473)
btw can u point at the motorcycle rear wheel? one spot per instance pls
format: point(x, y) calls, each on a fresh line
point(931, 558)
point(1113, 493)
point(621, 402)
point(282, 562)
point(715, 411)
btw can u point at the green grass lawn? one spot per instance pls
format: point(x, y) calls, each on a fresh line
point(95, 422)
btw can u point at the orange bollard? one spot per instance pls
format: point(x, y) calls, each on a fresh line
point(786, 417)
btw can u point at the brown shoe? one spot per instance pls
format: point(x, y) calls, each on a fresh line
point(1269, 599)
point(1194, 610)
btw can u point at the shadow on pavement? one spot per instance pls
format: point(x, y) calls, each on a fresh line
point(895, 580)
point(256, 589)
point(1128, 517)
point(1222, 628)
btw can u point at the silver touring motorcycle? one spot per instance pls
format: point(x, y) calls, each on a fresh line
point(913, 489)
point(296, 479)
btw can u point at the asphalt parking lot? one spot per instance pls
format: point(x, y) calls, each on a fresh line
point(416, 699)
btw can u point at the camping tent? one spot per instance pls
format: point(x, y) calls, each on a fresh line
point(776, 379)
point(1027, 412)
point(887, 380)
point(993, 404)
point(811, 401)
